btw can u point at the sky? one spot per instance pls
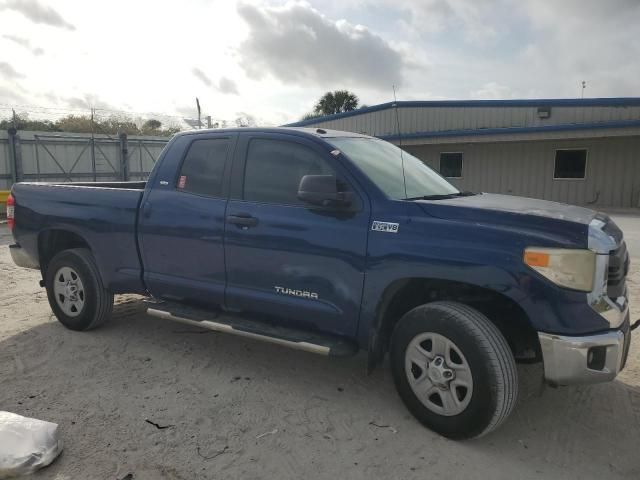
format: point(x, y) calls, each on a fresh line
point(269, 61)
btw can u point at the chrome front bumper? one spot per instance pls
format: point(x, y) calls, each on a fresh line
point(586, 359)
point(594, 358)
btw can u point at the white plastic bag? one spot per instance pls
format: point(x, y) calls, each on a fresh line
point(26, 444)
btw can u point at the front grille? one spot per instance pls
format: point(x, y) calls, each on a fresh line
point(618, 269)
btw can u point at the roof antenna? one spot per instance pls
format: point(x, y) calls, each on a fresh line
point(395, 105)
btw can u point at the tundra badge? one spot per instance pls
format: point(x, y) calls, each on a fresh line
point(296, 293)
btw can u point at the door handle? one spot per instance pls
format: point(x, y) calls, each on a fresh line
point(242, 220)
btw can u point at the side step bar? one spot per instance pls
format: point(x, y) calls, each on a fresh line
point(257, 330)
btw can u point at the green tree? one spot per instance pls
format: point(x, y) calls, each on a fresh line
point(310, 115)
point(22, 122)
point(336, 102)
point(76, 124)
point(112, 125)
point(151, 126)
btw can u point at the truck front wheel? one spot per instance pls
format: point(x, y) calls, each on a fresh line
point(75, 290)
point(453, 369)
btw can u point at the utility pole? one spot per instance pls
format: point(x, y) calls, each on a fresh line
point(124, 156)
point(199, 113)
point(93, 145)
point(15, 123)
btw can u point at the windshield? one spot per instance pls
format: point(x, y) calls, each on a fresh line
point(381, 162)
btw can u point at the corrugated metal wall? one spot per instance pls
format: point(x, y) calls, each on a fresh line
point(527, 168)
point(440, 119)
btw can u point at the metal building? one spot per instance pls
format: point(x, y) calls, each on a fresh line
point(580, 151)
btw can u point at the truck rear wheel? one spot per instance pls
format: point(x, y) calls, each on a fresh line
point(453, 369)
point(75, 290)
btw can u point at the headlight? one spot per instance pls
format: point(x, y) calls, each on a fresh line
point(565, 267)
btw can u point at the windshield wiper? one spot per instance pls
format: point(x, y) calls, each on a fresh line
point(442, 196)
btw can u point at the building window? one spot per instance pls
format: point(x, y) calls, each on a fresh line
point(451, 164)
point(570, 164)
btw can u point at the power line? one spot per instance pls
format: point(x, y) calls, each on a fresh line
point(55, 113)
point(34, 108)
point(43, 109)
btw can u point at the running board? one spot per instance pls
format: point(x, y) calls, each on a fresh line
point(257, 330)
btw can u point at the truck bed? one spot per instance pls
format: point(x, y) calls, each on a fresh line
point(103, 215)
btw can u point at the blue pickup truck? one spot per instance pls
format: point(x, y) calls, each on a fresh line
point(333, 242)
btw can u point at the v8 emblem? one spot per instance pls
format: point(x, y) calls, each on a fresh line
point(387, 227)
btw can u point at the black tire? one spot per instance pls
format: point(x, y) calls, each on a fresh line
point(491, 363)
point(98, 301)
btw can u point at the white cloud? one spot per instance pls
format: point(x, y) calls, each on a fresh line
point(88, 101)
point(584, 40)
point(226, 85)
point(273, 59)
point(7, 71)
point(472, 20)
point(492, 90)
point(38, 13)
point(24, 42)
point(297, 44)
point(9, 95)
point(203, 77)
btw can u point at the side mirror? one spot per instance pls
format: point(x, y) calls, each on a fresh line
point(322, 190)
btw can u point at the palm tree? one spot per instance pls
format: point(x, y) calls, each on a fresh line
point(336, 102)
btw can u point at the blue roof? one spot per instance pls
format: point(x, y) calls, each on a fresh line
point(513, 130)
point(538, 102)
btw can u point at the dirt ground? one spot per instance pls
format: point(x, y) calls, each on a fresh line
point(144, 398)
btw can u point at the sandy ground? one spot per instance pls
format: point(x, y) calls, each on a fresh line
point(227, 407)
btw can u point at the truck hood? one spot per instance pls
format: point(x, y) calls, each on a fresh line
point(558, 222)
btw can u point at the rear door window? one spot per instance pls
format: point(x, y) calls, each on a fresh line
point(203, 168)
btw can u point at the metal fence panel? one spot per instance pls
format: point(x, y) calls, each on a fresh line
point(68, 157)
point(5, 162)
point(54, 157)
point(142, 154)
